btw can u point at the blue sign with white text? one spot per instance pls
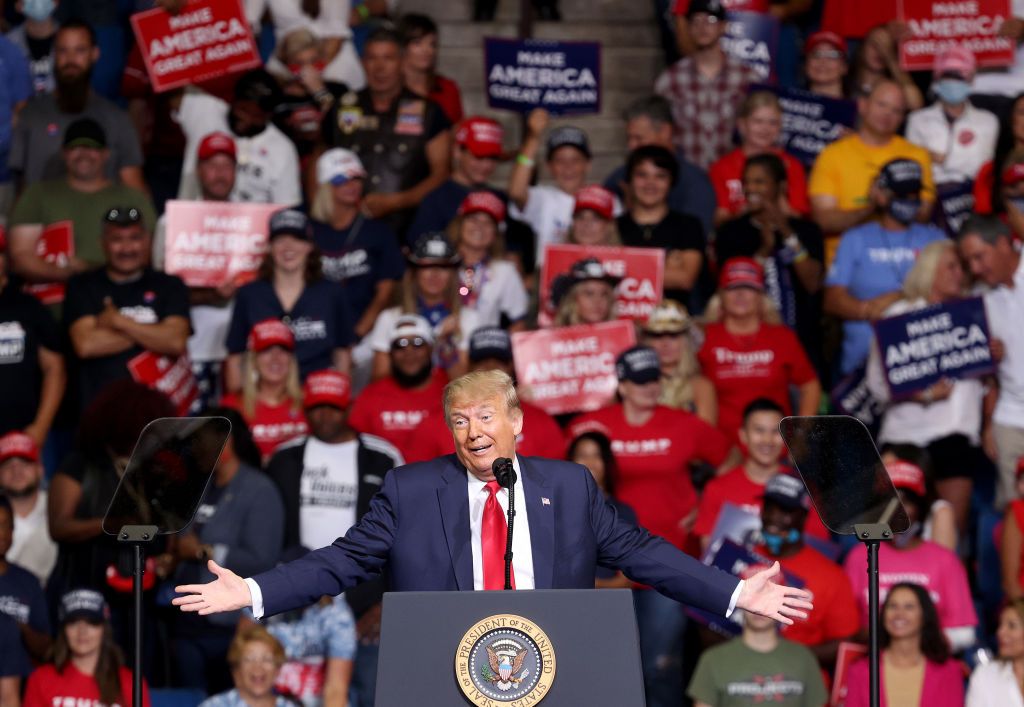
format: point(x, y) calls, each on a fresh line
point(949, 340)
point(564, 78)
point(753, 38)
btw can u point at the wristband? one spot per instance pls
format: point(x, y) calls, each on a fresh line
point(524, 160)
point(363, 11)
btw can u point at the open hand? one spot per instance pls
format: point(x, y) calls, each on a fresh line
point(761, 595)
point(228, 592)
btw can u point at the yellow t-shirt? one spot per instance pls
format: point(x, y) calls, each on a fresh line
point(846, 168)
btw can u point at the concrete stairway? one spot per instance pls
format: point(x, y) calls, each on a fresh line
point(631, 59)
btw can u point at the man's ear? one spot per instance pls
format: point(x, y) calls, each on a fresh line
point(95, 54)
point(517, 421)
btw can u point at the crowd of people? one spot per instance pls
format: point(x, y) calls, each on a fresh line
point(398, 261)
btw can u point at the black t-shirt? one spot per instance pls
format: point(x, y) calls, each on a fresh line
point(148, 300)
point(676, 231)
point(25, 326)
point(739, 237)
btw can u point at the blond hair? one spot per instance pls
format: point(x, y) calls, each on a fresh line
point(759, 99)
point(250, 385)
point(254, 633)
point(478, 386)
point(322, 207)
point(612, 239)
point(918, 282)
point(454, 231)
point(568, 313)
point(296, 41)
point(714, 311)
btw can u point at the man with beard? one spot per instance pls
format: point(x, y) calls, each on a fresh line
point(124, 309)
point(402, 139)
point(20, 477)
point(394, 406)
point(267, 162)
point(326, 481)
point(210, 306)
point(79, 198)
point(36, 147)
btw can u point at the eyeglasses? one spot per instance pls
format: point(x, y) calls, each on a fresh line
point(122, 215)
point(663, 334)
point(702, 18)
point(405, 342)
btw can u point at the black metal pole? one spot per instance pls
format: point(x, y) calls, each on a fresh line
point(137, 565)
point(508, 536)
point(872, 546)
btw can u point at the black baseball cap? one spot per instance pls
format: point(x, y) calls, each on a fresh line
point(787, 491)
point(568, 135)
point(638, 364)
point(434, 248)
point(85, 604)
point(490, 342)
point(290, 222)
point(123, 215)
point(715, 8)
point(901, 176)
point(259, 86)
point(85, 132)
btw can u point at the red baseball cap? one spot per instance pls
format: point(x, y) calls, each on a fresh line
point(270, 332)
point(18, 444)
point(217, 144)
point(741, 272)
point(481, 136)
point(3, 239)
point(825, 37)
point(1014, 173)
point(327, 388)
point(596, 199)
point(907, 475)
point(483, 202)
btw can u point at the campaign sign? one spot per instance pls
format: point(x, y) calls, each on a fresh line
point(811, 122)
point(934, 25)
point(949, 340)
point(956, 203)
point(849, 653)
point(640, 271)
point(753, 38)
point(56, 245)
point(564, 78)
point(172, 377)
point(570, 369)
point(209, 243)
point(853, 397)
point(739, 561)
point(207, 39)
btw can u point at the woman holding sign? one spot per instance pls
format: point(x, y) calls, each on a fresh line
point(944, 417)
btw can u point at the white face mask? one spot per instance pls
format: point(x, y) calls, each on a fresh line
point(38, 10)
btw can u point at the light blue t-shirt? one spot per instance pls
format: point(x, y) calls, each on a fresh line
point(872, 261)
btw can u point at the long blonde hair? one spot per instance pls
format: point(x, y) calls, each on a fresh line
point(918, 282)
point(715, 313)
point(250, 384)
point(322, 206)
point(568, 314)
point(454, 232)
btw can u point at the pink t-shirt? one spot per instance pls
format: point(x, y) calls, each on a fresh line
point(932, 566)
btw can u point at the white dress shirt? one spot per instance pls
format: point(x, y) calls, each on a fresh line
point(1005, 309)
point(522, 554)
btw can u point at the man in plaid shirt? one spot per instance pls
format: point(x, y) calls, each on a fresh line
point(705, 89)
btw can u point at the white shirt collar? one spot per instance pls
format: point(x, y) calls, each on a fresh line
point(476, 485)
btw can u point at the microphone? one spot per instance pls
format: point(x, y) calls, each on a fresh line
point(505, 475)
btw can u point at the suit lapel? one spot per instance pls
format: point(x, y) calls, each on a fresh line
point(452, 497)
point(542, 524)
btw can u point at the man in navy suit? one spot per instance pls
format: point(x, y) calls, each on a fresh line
point(430, 524)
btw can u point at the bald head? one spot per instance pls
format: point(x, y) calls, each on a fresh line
point(882, 110)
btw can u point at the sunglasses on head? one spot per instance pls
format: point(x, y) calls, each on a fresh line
point(405, 342)
point(123, 215)
point(662, 334)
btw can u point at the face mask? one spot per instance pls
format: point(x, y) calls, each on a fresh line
point(1017, 201)
point(38, 10)
point(952, 91)
point(904, 210)
point(775, 541)
point(902, 540)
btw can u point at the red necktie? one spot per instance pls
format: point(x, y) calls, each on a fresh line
point(493, 532)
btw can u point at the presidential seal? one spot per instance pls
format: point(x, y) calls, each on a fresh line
point(505, 659)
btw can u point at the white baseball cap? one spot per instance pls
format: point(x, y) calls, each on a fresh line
point(337, 166)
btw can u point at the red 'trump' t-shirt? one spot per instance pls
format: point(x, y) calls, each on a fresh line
point(726, 176)
point(387, 410)
point(271, 425)
point(48, 688)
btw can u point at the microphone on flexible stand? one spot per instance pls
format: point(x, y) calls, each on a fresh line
point(505, 475)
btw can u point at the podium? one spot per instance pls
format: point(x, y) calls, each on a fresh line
point(563, 647)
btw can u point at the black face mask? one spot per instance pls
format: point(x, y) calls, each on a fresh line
point(250, 130)
point(418, 378)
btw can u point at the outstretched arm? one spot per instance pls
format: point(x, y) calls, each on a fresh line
point(228, 592)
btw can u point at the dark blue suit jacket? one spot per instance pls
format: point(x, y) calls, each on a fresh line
point(418, 525)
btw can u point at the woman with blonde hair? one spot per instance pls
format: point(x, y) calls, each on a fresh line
point(430, 288)
point(998, 682)
point(945, 417)
point(271, 396)
point(255, 658)
point(671, 333)
point(748, 355)
point(586, 295)
point(760, 127)
point(593, 218)
point(488, 283)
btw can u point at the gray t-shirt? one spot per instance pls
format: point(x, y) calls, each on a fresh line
point(36, 145)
